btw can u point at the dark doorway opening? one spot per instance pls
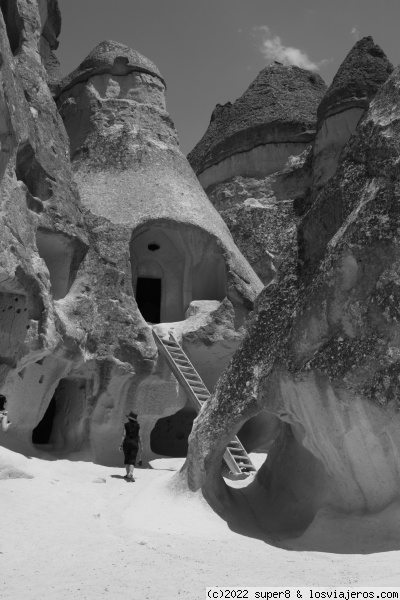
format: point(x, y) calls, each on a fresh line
point(148, 298)
point(42, 432)
point(170, 434)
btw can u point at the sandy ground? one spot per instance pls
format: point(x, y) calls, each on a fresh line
point(78, 530)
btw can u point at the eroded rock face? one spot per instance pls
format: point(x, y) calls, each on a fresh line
point(255, 162)
point(148, 215)
point(76, 354)
point(262, 214)
point(253, 137)
point(131, 173)
point(39, 200)
point(321, 354)
point(364, 70)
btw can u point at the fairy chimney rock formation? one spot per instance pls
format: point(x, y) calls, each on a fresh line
point(149, 217)
point(364, 70)
point(255, 162)
point(254, 136)
point(73, 340)
point(316, 379)
point(130, 171)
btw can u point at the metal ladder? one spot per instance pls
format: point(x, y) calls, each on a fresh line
point(235, 455)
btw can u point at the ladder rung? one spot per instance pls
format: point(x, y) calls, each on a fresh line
point(187, 374)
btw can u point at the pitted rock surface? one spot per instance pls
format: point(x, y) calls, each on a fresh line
point(278, 107)
point(130, 170)
point(364, 70)
point(113, 58)
point(321, 354)
point(72, 338)
point(262, 214)
point(359, 78)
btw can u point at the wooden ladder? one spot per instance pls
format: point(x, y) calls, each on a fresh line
point(235, 455)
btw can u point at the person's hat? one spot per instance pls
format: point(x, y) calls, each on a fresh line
point(132, 416)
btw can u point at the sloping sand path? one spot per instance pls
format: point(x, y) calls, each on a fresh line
point(77, 531)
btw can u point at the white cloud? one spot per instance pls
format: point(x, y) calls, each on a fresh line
point(272, 49)
point(355, 33)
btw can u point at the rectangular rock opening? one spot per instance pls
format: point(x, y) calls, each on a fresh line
point(148, 298)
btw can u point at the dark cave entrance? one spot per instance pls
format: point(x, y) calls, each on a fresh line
point(42, 432)
point(64, 424)
point(148, 298)
point(170, 434)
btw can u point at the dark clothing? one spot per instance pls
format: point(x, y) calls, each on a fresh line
point(130, 445)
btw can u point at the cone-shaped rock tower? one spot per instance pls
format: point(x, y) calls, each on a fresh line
point(363, 71)
point(254, 136)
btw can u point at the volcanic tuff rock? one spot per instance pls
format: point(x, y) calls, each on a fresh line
point(262, 214)
point(111, 58)
point(362, 73)
point(257, 155)
point(322, 355)
point(43, 237)
point(149, 216)
point(358, 79)
point(128, 165)
point(254, 136)
point(73, 340)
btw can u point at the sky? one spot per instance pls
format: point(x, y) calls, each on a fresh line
point(209, 51)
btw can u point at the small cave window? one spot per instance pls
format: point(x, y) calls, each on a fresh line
point(153, 247)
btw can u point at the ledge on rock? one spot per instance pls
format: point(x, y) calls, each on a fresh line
point(114, 58)
point(359, 77)
point(268, 112)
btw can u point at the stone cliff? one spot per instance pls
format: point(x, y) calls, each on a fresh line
point(316, 377)
point(254, 161)
point(358, 79)
point(92, 256)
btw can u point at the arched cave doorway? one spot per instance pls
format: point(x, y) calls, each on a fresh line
point(173, 265)
point(170, 435)
point(63, 425)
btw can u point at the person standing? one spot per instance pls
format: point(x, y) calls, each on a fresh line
point(131, 444)
point(5, 423)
